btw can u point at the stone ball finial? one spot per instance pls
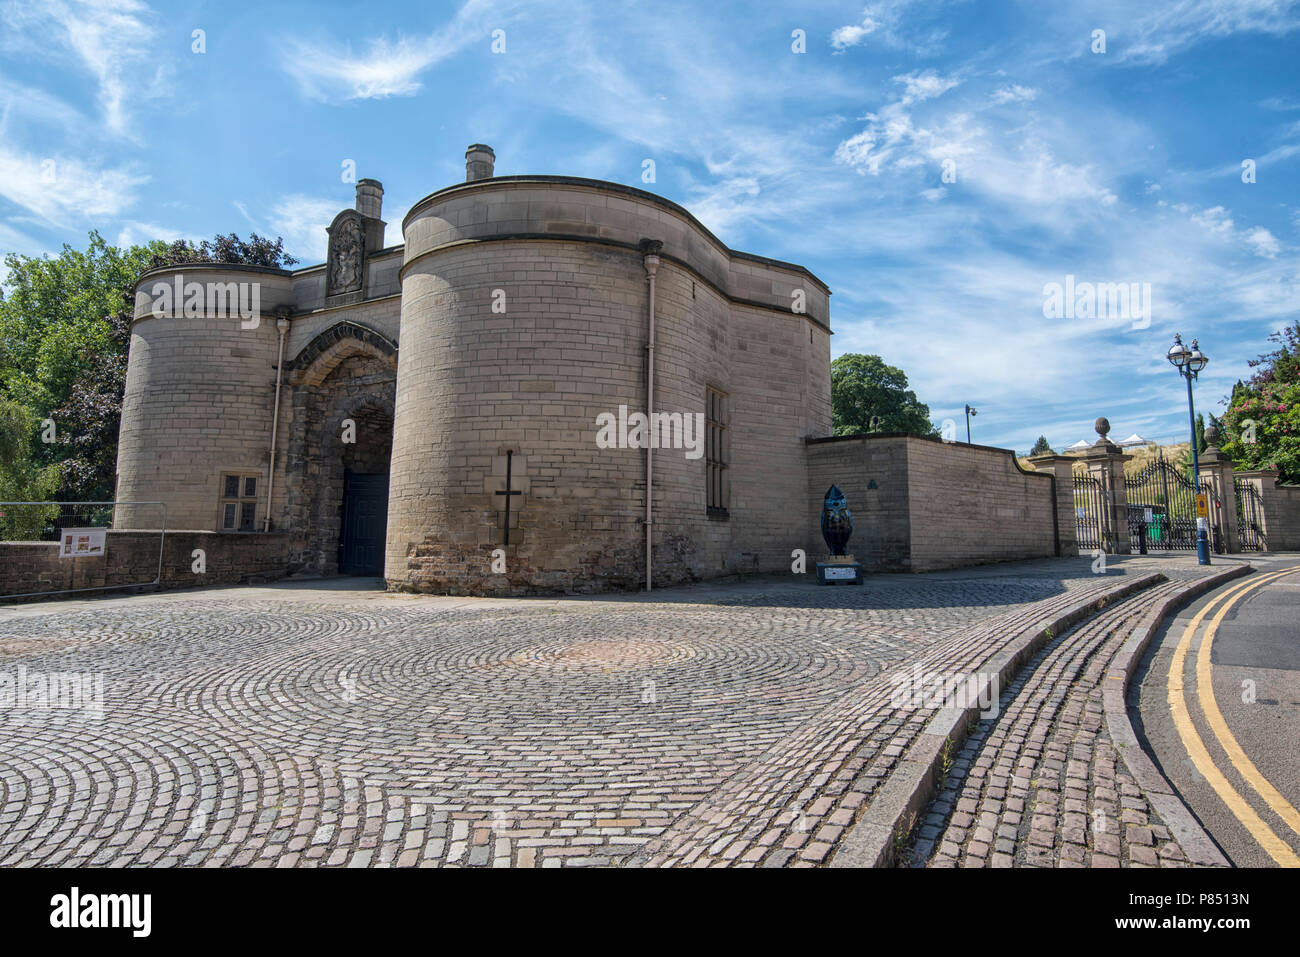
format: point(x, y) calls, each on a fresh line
point(1211, 435)
point(1102, 426)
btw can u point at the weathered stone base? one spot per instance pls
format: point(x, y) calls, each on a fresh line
point(449, 569)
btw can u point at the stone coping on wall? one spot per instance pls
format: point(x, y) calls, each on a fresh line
point(575, 210)
point(600, 185)
point(143, 301)
point(385, 253)
point(927, 438)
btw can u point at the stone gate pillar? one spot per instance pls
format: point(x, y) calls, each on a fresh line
point(1062, 467)
point(1217, 482)
point(1105, 461)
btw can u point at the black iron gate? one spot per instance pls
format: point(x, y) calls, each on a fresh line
point(1250, 518)
point(1162, 508)
point(1090, 512)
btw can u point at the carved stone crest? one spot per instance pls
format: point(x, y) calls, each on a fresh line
point(347, 255)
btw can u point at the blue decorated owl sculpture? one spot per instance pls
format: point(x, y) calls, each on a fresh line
point(837, 521)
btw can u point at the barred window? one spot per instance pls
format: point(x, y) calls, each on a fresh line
point(716, 452)
point(238, 502)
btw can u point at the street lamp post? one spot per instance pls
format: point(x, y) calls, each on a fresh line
point(1189, 363)
point(969, 412)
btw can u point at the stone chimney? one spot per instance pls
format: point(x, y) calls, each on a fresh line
point(370, 204)
point(370, 198)
point(479, 161)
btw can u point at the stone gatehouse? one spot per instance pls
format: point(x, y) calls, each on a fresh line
point(429, 410)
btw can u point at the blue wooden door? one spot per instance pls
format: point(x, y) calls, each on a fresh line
point(365, 522)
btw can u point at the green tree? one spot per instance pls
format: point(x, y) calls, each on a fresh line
point(64, 335)
point(1261, 428)
point(21, 480)
point(869, 396)
point(1041, 447)
point(53, 318)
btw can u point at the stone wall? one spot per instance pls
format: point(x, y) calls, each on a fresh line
point(872, 474)
point(1281, 504)
point(923, 504)
point(476, 384)
point(971, 505)
point(131, 558)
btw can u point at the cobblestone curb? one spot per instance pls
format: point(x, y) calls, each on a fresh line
point(873, 840)
point(1180, 821)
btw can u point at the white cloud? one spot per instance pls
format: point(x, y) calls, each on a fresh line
point(1013, 94)
point(302, 221)
point(63, 190)
point(891, 130)
point(134, 232)
point(329, 71)
point(1285, 151)
point(853, 34)
point(115, 40)
point(1280, 103)
point(895, 24)
point(1263, 242)
point(1163, 30)
point(37, 106)
point(16, 241)
point(1215, 219)
point(925, 85)
point(385, 69)
point(1017, 168)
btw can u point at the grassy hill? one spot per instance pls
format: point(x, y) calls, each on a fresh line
point(1141, 456)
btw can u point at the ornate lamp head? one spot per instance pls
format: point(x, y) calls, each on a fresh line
point(1178, 353)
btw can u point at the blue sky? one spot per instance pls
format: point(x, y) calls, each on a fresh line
point(1122, 166)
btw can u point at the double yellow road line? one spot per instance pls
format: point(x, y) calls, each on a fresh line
point(1278, 849)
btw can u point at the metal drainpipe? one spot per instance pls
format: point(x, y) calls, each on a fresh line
point(651, 263)
point(282, 324)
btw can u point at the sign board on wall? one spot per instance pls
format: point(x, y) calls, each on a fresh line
point(82, 542)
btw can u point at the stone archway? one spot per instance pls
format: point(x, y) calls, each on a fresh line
point(338, 459)
point(320, 357)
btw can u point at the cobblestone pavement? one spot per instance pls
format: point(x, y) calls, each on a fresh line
point(306, 725)
point(1041, 784)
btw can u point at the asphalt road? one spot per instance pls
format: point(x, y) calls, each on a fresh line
point(1230, 745)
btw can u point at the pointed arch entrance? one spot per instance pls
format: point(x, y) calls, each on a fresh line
point(344, 388)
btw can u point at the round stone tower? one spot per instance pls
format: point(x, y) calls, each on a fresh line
point(524, 319)
point(199, 390)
